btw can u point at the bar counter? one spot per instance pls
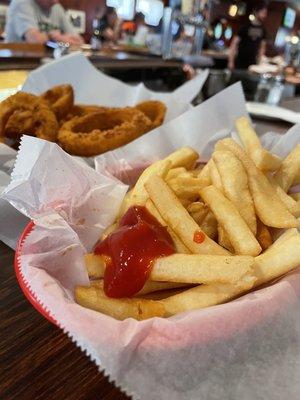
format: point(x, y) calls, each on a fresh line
point(30, 56)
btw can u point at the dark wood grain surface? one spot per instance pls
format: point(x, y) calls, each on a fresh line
point(38, 361)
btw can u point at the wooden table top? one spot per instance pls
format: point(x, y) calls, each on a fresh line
point(38, 361)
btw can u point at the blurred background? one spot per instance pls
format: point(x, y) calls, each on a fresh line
point(162, 43)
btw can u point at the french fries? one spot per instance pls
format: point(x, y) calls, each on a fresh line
point(282, 257)
point(139, 195)
point(175, 172)
point(194, 268)
point(203, 296)
point(95, 299)
point(235, 185)
point(215, 175)
point(186, 187)
point(268, 206)
point(210, 226)
point(178, 218)
point(295, 196)
point(289, 172)
point(180, 247)
point(291, 204)
point(263, 236)
point(239, 234)
point(262, 158)
point(220, 218)
point(184, 157)
point(185, 269)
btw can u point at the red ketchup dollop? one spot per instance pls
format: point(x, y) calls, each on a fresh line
point(130, 251)
point(199, 237)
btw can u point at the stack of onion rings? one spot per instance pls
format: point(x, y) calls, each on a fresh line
point(84, 130)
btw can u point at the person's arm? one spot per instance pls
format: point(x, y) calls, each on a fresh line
point(262, 51)
point(117, 30)
point(67, 33)
point(233, 51)
point(73, 39)
point(33, 35)
point(25, 24)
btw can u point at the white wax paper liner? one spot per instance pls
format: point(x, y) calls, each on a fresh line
point(92, 86)
point(244, 349)
point(198, 128)
point(11, 221)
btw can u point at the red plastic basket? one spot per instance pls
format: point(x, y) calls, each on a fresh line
point(24, 287)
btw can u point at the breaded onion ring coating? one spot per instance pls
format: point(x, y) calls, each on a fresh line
point(25, 113)
point(154, 110)
point(105, 130)
point(60, 99)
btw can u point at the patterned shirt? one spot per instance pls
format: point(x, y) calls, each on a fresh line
point(26, 14)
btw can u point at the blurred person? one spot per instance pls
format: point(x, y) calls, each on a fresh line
point(139, 20)
point(249, 45)
point(38, 21)
point(110, 25)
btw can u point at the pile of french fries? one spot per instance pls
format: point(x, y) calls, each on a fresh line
point(238, 202)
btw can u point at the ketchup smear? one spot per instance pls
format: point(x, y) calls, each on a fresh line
point(130, 250)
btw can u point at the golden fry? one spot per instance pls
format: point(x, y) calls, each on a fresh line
point(109, 230)
point(149, 287)
point(263, 236)
point(198, 211)
point(195, 268)
point(175, 172)
point(223, 240)
point(183, 157)
point(282, 257)
point(204, 175)
point(289, 172)
point(215, 176)
point(179, 219)
point(204, 296)
point(239, 234)
point(139, 194)
point(186, 187)
point(235, 185)
point(95, 265)
point(180, 247)
point(125, 204)
point(269, 208)
point(263, 159)
point(210, 226)
point(291, 204)
point(295, 196)
point(95, 299)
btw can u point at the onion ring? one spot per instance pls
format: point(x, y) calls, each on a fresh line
point(60, 99)
point(154, 110)
point(105, 130)
point(25, 113)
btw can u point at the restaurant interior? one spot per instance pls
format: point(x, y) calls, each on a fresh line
point(164, 43)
